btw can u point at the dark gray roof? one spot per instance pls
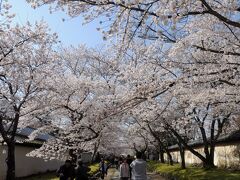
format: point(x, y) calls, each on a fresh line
point(25, 132)
point(232, 137)
point(229, 138)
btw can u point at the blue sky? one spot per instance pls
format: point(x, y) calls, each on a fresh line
point(71, 31)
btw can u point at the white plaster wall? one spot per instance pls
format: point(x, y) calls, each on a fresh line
point(2, 162)
point(225, 156)
point(26, 166)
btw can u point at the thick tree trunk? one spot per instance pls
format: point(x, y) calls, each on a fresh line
point(161, 153)
point(160, 144)
point(183, 164)
point(170, 160)
point(161, 150)
point(96, 145)
point(211, 147)
point(205, 143)
point(93, 157)
point(210, 160)
point(11, 161)
point(182, 155)
point(8, 136)
point(208, 164)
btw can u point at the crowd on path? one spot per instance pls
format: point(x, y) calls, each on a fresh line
point(129, 168)
point(69, 172)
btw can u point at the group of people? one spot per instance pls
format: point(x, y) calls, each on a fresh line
point(134, 170)
point(69, 172)
point(128, 169)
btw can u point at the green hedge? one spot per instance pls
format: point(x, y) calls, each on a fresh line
point(192, 173)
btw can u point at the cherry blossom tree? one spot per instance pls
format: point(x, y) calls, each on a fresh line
point(26, 57)
point(209, 79)
point(187, 91)
point(146, 19)
point(83, 100)
point(187, 51)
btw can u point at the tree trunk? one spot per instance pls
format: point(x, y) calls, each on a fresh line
point(11, 161)
point(160, 144)
point(161, 153)
point(210, 160)
point(182, 154)
point(161, 149)
point(180, 139)
point(183, 164)
point(169, 157)
point(205, 143)
point(208, 164)
point(93, 157)
point(96, 145)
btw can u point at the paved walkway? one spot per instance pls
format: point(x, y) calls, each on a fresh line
point(113, 174)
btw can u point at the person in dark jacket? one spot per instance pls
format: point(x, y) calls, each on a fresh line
point(129, 161)
point(66, 171)
point(103, 168)
point(82, 171)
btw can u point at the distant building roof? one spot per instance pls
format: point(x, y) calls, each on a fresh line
point(23, 140)
point(25, 132)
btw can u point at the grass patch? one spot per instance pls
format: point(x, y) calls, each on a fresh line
point(94, 169)
point(192, 173)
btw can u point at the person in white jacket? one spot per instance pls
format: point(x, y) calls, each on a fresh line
point(124, 170)
point(139, 168)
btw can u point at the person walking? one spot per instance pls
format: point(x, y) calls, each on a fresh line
point(103, 168)
point(66, 171)
point(139, 168)
point(129, 161)
point(82, 171)
point(116, 162)
point(124, 170)
point(120, 161)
